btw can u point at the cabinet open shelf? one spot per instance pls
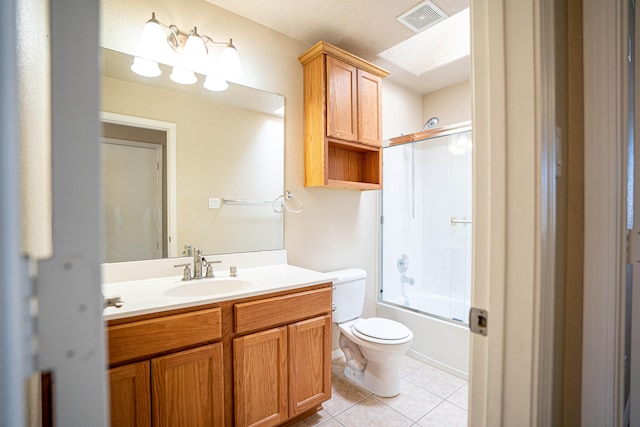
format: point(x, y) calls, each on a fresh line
point(353, 166)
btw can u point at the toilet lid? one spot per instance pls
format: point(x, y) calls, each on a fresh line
point(383, 329)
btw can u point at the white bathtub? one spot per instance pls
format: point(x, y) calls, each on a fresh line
point(435, 304)
point(441, 343)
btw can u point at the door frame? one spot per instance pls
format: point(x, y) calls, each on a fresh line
point(14, 356)
point(604, 31)
point(170, 130)
point(71, 332)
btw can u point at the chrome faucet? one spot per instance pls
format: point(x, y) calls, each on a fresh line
point(197, 263)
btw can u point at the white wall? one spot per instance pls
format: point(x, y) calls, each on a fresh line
point(401, 111)
point(338, 228)
point(34, 89)
point(451, 104)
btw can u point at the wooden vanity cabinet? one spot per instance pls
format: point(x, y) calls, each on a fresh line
point(130, 391)
point(285, 370)
point(174, 388)
point(343, 119)
point(259, 361)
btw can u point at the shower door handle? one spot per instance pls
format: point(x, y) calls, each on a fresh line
point(455, 221)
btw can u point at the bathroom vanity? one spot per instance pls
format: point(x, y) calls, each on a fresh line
point(257, 355)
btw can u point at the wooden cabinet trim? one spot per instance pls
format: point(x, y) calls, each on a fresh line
point(146, 338)
point(270, 312)
point(315, 121)
point(323, 47)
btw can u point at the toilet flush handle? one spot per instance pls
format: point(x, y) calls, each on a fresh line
point(333, 307)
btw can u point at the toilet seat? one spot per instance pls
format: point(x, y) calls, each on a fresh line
point(383, 331)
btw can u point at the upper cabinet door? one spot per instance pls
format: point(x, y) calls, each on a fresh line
point(342, 100)
point(369, 108)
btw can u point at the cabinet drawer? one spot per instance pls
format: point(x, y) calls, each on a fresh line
point(148, 337)
point(265, 313)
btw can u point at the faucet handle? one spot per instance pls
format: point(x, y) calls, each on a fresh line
point(186, 275)
point(209, 274)
point(209, 271)
point(114, 301)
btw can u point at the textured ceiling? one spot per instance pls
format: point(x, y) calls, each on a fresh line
point(369, 28)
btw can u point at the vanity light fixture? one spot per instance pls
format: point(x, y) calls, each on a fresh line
point(187, 54)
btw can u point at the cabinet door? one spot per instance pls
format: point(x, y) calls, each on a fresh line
point(260, 378)
point(309, 364)
point(130, 395)
point(369, 108)
point(341, 100)
point(188, 388)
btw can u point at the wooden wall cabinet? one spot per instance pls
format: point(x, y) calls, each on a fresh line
point(259, 361)
point(343, 119)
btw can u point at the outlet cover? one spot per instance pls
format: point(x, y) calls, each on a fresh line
point(214, 203)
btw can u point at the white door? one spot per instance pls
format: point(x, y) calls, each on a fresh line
point(132, 194)
point(512, 84)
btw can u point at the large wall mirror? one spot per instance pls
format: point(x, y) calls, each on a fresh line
point(176, 157)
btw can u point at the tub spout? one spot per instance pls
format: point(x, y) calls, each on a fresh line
point(410, 280)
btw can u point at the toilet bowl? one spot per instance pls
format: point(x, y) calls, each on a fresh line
point(373, 347)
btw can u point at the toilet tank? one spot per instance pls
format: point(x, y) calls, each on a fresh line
point(348, 293)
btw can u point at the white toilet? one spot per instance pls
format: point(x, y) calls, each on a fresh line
point(372, 347)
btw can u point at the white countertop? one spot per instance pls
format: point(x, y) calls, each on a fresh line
point(156, 295)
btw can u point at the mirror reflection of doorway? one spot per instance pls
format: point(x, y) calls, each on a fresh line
point(132, 185)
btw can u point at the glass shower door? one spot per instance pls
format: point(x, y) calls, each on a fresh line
point(426, 229)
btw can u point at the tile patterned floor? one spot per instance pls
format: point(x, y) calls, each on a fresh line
point(429, 398)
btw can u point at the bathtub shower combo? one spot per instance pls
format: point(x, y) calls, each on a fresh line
point(426, 243)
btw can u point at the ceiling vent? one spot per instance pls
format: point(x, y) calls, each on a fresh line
point(422, 16)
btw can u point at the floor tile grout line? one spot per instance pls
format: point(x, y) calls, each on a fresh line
point(404, 377)
point(403, 414)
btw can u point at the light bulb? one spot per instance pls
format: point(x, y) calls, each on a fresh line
point(215, 84)
point(183, 76)
point(230, 62)
point(153, 42)
point(195, 51)
point(145, 67)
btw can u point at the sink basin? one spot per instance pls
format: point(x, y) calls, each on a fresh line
point(207, 287)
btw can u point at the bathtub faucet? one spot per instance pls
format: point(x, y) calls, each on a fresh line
point(410, 280)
